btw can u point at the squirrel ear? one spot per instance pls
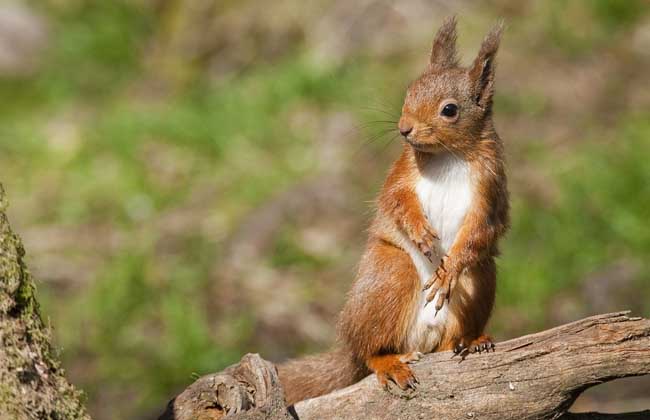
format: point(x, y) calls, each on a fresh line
point(443, 52)
point(482, 71)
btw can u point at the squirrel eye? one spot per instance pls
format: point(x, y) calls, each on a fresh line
point(449, 110)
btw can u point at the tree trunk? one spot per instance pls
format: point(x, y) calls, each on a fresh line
point(32, 383)
point(533, 377)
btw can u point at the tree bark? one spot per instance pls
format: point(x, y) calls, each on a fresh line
point(537, 376)
point(32, 382)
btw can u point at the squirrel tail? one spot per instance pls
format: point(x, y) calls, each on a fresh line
point(311, 376)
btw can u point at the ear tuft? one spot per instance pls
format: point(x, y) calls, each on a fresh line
point(482, 71)
point(443, 52)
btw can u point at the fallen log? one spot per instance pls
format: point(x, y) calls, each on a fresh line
point(537, 376)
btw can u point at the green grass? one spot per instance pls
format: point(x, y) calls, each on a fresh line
point(579, 27)
point(597, 218)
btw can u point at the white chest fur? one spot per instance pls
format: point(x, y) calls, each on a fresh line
point(445, 192)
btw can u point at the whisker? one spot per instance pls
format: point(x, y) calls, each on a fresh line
point(381, 121)
point(377, 136)
point(383, 111)
point(363, 128)
point(382, 102)
point(379, 107)
point(366, 125)
point(374, 138)
point(385, 146)
point(371, 124)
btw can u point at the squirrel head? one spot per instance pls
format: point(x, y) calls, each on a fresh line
point(450, 106)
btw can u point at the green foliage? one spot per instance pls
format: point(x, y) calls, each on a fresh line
point(578, 27)
point(596, 219)
point(288, 253)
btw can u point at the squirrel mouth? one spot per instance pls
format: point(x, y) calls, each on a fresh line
point(419, 146)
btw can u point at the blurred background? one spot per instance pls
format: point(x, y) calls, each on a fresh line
point(193, 179)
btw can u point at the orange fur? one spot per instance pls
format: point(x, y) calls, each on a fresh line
point(377, 322)
point(380, 307)
point(394, 367)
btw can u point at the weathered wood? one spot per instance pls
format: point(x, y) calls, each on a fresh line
point(537, 376)
point(248, 390)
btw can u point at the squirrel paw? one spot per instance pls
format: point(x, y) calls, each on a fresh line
point(478, 345)
point(442, 283)
point(395, 368)
point(424, 237)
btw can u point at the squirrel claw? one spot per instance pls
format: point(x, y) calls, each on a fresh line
point(441, 284)
point(461, 350)
point(431, 296)
point(441, 301)
point(479, 345)
point(426, 248)
point(424, 237)
point(395, 368)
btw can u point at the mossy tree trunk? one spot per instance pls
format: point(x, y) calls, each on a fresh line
point(32, 382)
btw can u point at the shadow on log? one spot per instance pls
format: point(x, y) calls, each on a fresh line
point(537, 376)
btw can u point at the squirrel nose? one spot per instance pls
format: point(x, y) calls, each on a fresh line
point(405, 129)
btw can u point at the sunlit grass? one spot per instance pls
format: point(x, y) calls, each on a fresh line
point(599, 218)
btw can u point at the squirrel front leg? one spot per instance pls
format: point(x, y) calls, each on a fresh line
point(403, 208)
point(476, 240)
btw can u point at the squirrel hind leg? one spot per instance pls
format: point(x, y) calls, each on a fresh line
point(395, 368)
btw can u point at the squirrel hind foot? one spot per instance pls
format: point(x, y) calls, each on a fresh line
point(395, 368)
point(482, 343)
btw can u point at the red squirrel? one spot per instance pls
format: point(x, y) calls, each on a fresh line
point(427, 279)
